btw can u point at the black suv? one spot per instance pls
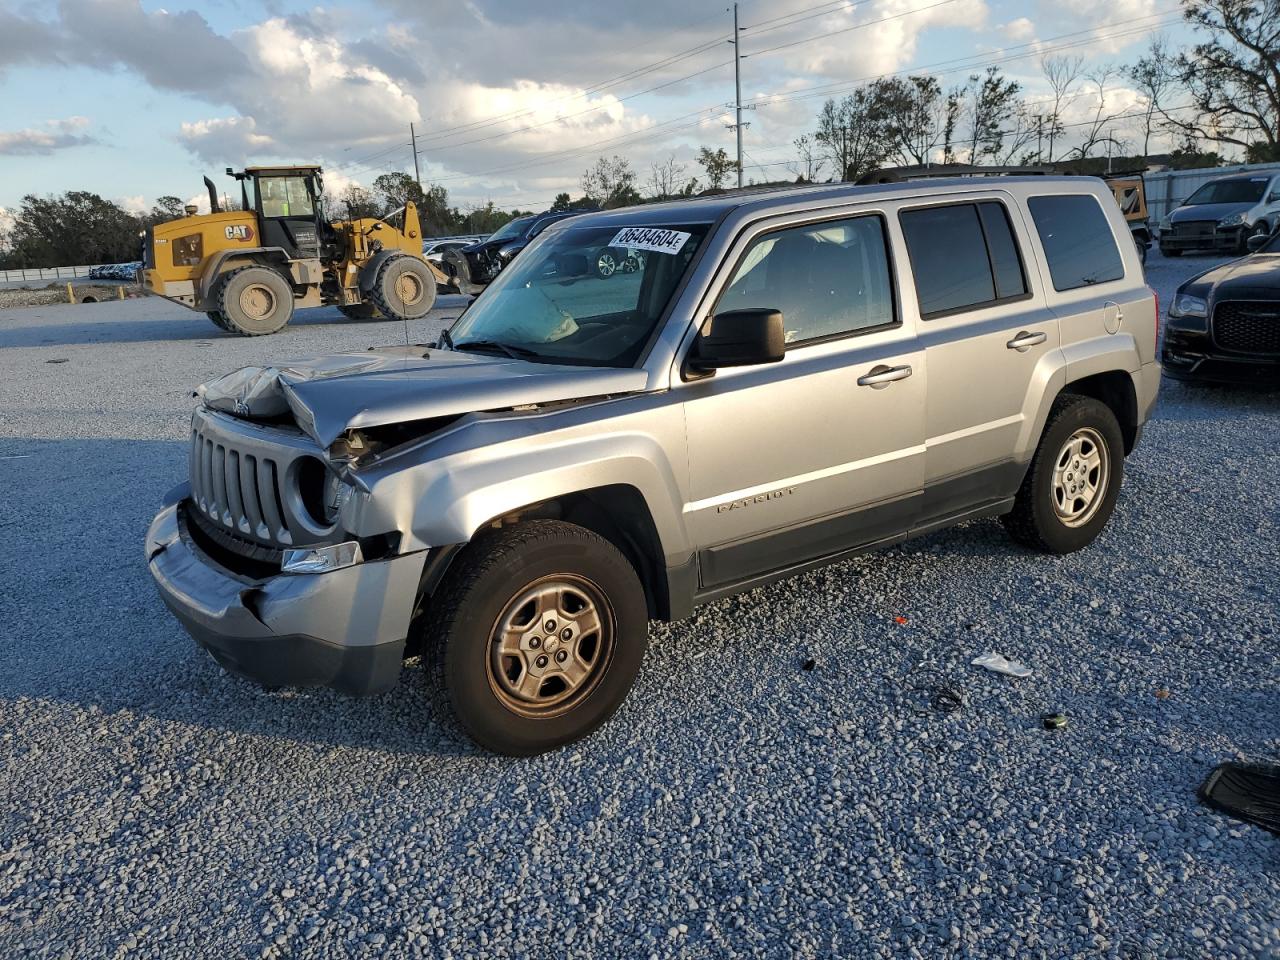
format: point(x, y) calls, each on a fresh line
point(472, 268)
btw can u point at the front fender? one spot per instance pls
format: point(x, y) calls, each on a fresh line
point(448, 500)
point(369, 273)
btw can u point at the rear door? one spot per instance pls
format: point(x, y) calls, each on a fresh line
point(807, 458)
point(989, 339)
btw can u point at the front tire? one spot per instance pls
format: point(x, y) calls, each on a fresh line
point(218, 320)
point(1070, 490)
point(255, 301)
point(542, 628)
point(404, 289)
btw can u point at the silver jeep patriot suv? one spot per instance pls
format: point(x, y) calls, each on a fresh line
point(786, 379)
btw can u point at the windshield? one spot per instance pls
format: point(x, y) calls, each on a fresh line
point(513, 228)
point(582, 295)
point(1230, 191)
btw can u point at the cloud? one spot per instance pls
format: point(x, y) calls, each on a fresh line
point(43, 140)
point(1018, 31)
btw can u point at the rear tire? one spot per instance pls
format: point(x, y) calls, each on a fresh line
point(218, 320)
point(1070, 490)
point(519, 683)
point(404, 289)
point(255, 301)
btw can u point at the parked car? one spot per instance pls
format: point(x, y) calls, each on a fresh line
point(433, 249)
point(473, 267)
point(1223, 214)
point(1224, 325)
point(795, 377)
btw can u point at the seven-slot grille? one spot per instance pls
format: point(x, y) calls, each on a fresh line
point(237, 490)
point(1247, 327)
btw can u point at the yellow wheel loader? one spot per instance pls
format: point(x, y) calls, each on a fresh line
point(249, 269)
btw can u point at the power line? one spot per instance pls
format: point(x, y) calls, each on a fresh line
point(856, 26)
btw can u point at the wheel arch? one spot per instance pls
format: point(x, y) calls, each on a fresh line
point(1115, 389)
point(224, 261)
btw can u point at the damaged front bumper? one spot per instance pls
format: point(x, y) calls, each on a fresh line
point(344, 629)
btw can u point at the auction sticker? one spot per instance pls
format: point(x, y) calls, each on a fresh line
point(647, 238)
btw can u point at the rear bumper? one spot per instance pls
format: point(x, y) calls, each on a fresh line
point(345, 629)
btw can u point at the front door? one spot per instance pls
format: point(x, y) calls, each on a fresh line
point(287, 208)
point(823, 452)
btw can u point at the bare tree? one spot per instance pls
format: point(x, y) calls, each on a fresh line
point(1155, 76)
point(809, 163)
point(1062, 73)
point(1098, 128)
point(666, 178)
point(1015, 141)
point(1234, 76)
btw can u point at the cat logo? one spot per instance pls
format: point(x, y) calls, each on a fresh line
point(239, 231)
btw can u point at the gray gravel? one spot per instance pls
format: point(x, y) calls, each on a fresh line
point(739, 804)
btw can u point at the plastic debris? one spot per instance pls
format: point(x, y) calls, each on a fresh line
point(1246, 791)
point(998, 664)
point(810, 664)
point(1054, 721)
point(901, 621)
point(941, 699)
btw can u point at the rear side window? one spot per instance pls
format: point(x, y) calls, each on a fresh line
point(964, 257)
point(1077, 241)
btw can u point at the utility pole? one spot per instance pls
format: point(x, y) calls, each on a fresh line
point(414, 138)
point(1039, 138)
point(737, 82)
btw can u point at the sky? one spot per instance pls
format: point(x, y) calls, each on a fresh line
point(511, 99)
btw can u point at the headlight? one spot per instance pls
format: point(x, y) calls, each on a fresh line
point(1235, 220)
point(322, 559)
point(1166, 224)
point(1185, 305)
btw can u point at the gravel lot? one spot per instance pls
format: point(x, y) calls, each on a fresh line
point(739, 804)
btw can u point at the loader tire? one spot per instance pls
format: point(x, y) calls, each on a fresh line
point(360, 311)
point(255, 301)
point(404, 289)
point(218, 319)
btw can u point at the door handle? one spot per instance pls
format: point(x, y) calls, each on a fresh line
point(880, 377)
point(1026, 340)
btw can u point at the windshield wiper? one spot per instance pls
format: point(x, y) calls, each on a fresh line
point(492, 346)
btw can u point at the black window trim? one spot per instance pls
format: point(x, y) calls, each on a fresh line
point(894, 295)
point(1111, 232)
point(986, 242)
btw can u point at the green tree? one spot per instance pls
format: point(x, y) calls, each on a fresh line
point(1233, 77)
point(353, 203)
point(611, 183)
point(77, 227)
point(562, 203)
point(718, 166)
point(852, 133)
point(166, 208)
point(396, 189)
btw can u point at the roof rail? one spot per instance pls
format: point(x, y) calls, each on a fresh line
point(934, 170)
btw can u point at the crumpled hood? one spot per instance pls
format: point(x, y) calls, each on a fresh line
point(1208, 211)
point(330, 395)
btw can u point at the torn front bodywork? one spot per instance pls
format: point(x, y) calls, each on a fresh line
point(345, 629)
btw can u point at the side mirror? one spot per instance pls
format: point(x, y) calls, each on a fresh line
point(740, 338)
point(1256, 243)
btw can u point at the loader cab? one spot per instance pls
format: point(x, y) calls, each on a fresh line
point(287, 202)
